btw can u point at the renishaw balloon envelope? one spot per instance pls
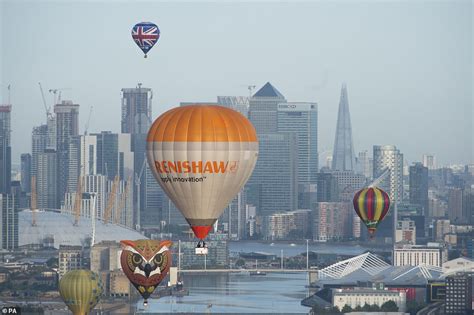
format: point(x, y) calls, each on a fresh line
point(202, 155)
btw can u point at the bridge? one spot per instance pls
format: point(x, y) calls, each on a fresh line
point(242, 270)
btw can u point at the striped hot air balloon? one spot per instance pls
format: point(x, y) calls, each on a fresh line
point(202, 155)
point(371, 205)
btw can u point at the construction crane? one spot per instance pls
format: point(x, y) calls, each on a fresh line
point(86, 128)
point(9, 93)
point(46, 108)
point(250, 88)
point(123, 198)
point(33, 203)
point(78, 202)
point(57, 99)
point(380, 178)
point(138, 180)
point(111, 202)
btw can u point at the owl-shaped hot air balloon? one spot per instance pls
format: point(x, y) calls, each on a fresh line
point(145, 263)
point(371, 205)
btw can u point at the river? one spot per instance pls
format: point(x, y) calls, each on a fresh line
point(236, 293)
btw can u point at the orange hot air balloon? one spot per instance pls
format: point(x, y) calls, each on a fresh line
point(202, 155)
point(371, 205)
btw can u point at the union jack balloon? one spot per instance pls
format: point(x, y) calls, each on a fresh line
point(371, 205)
point(145, 35)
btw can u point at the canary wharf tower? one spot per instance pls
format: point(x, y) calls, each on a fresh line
point(343, 152)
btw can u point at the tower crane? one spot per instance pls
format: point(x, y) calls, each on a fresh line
point(138, 181)
point(57, 92)
point(123, 198)
point(250, 88)
point(111, 202)
point(46, 108)
point(380, 178)
point(78, 201)
point(86, 128)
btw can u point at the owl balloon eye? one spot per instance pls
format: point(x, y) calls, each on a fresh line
point(137, 259)
point(158, 259)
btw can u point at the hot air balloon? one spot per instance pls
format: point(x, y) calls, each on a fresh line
point(145, 263)
point(145, 35)
point(371, 205)
point(80, 290)
point(202, 155)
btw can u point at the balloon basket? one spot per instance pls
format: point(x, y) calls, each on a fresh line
point(201, 248)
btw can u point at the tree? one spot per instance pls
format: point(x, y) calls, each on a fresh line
point(358, 308)
point(389, 306)
point(240, 262)
point(366, 307)
point(374, 308)
point(346, 309)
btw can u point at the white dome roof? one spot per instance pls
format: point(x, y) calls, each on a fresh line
point(60, 226)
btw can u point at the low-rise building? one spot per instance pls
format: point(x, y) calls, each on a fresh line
point(119, 284)
point(70, 258)
point(332, 221)
point(405, 232)
point(360, 296)
point(285, 225)
point(458, 294)
point(432, 254)
point(217, 257)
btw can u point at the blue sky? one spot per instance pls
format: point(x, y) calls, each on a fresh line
point(408, 64)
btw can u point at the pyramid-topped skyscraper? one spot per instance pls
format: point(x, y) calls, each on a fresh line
point(263, 108)
point(343, 151)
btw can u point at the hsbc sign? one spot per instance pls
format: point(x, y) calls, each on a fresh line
point(296, 107)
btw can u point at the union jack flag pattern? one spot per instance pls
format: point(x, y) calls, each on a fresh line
point(145, 35)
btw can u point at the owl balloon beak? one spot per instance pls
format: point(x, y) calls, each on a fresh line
point(147, 270)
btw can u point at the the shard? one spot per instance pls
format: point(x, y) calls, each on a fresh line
point(343, 152)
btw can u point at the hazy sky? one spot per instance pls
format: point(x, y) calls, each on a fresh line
point(408, 65)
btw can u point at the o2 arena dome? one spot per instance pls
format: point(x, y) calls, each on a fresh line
point(56, 228)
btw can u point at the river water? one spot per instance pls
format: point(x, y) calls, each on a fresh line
point(236, 293)
point(242, 293)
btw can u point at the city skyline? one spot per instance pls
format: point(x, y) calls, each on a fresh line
point(401, 92)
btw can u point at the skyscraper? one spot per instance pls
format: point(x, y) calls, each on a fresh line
point(67, 126)
point(39, 142)
point(429, 161)
point(5, 149)
point(136, 120)
point(273, 186)
point(419, 186)
point(237, 103)
point(47, 180)
point(455, 205)
point(26, 172)
point(136, 109)
point(302, 119)
point(388, 156)
point(343, 152)
point(364, 164)
point(263, 107)
point(9, 221)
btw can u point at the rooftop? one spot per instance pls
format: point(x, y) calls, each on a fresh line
point(60, 226)
point(268, 90)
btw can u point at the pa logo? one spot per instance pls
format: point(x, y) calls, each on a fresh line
point(11, 310)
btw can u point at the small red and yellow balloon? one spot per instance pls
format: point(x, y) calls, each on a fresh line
point(371, 205)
